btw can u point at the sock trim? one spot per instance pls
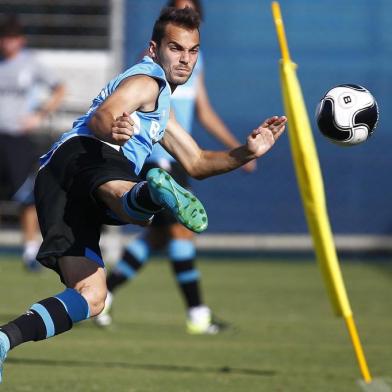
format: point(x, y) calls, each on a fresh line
point(46, 317)
point(75, 304)
point(180, 250)
point(188, 276)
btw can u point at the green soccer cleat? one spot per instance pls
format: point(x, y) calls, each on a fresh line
point(186, 208)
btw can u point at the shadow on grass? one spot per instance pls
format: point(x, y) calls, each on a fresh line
point(146, 366)
point(229, 330)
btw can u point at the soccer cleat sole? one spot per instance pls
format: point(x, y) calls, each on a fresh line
point(187, 209)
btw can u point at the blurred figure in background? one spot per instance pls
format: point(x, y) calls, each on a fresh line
point(165, 232)
point(21, 116)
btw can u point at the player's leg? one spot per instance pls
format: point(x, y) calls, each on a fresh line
point(182, 253)
point(83, 297)
point(70, 223)
point(138, 202)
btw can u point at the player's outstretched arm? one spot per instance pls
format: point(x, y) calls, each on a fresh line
point(203, 163)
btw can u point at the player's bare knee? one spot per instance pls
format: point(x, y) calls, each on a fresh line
point(95, 299)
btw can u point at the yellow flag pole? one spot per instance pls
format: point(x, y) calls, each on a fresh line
point(284, 48)
point(312, 191)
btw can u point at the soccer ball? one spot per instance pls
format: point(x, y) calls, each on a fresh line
point(347, 114)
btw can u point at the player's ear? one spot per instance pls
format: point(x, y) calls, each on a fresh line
point(153, 49)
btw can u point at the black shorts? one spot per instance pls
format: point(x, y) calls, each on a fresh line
point(18, 164)
point(69, 216)
point(165, 218)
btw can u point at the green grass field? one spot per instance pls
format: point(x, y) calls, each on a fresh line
point(286, 337)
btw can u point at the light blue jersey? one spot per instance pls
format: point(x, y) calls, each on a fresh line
point(183, 104)
point(149, 127)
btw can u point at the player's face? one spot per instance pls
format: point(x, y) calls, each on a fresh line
point(177, 53)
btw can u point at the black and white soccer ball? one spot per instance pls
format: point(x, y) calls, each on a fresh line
point(347, 114)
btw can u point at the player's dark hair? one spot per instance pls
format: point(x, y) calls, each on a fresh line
point(10, 26)
point(196, 4)
point(184, 17)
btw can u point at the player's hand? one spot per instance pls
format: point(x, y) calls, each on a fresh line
point(264, 137)
point(122, 129)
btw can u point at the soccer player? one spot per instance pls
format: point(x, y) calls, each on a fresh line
point(21, 116)
point(165, 232)
point(89, 177)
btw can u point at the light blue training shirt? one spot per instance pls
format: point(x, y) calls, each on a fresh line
point(149, 127)
point(183, 104)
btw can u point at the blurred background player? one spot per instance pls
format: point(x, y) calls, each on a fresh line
point(21, 115)
point(165, 232)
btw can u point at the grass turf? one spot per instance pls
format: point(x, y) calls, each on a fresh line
point(285, 337)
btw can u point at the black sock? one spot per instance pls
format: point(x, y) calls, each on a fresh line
point(141, 196)
point(191, 293)
point(187, 277)
point(31, 326)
